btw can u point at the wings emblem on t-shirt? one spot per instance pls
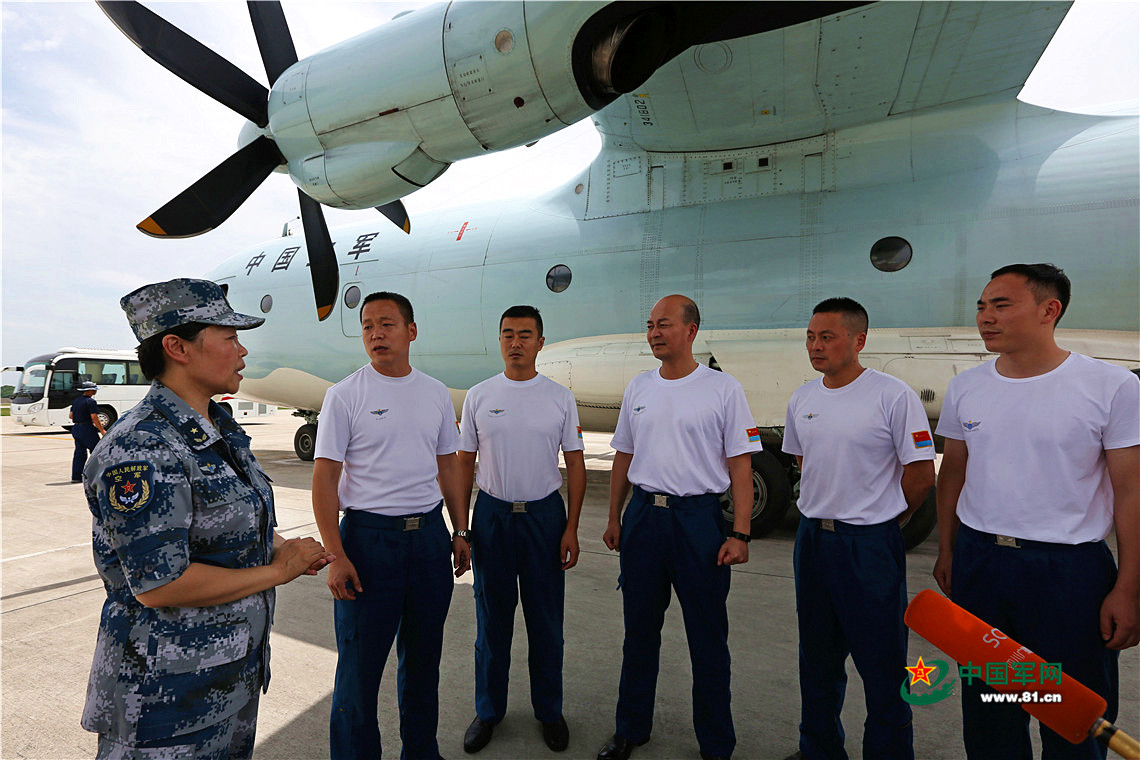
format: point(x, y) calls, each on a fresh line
point(379, 412)
point(496, 412)
point(971, 424)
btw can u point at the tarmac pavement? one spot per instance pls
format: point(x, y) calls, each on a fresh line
point(50, 598)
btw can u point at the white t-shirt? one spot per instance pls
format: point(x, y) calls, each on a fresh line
point(855, 441)
point(680, 432)
point(517, 428)
point(387, 431)
point(1036, 446)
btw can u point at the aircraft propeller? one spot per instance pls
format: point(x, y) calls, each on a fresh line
point(213, 198)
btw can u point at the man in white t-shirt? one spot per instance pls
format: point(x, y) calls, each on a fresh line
point(522, 539)
point(387, 432)
point(684, 435)
point(1041, 461)
point(866, 455)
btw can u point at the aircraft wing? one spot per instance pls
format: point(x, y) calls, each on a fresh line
point(840, 71)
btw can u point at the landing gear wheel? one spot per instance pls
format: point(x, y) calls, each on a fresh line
point(771, 493)
point(920, 525)
point(305, 441)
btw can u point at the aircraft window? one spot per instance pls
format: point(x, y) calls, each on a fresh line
point(352, 297)
point(504, 41)
point(558, 278)
point(727, 165)
point(891, 254)
point(266, 303)
point(762, 162)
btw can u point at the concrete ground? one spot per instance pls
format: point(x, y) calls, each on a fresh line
point(50, 600)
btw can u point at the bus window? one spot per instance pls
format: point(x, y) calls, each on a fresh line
point(134, 375)
point(62, 380)
point(31, 384)
point(104, 372)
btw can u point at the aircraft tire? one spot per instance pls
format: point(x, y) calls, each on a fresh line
point(107, 416)
point(921, 524)
point(771, 493)
point(305, 442)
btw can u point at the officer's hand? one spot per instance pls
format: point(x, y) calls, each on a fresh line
point(342, 579)
point(568, 550)
point(321, 562)
point(732, 552)
point(612, 537)
point(942, 571)
point(295, 556)
point(461, 551)
point(1120, 619)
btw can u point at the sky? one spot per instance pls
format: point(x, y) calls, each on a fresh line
point(96, 136)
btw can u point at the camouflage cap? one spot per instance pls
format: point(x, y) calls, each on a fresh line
point(158, 307)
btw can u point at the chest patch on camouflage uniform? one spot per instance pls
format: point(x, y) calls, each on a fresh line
point(130, 486)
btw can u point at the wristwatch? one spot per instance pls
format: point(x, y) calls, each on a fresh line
point(464, 534)
point(738, 535)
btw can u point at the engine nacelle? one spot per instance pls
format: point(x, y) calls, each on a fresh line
point(382, 114)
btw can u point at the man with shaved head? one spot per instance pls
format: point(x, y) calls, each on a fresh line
point(684, 435)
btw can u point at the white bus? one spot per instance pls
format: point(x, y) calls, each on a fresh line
point(47, 384)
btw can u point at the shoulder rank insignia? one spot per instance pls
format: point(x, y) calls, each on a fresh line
point(194, 432)
point(130, 486)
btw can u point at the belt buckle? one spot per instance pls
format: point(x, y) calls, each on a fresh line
point(518, 507)
point(660, 500)
point(412, 523)
point(1009, 541)
point(827, 524)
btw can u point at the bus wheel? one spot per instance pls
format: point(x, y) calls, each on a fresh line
point(771, 494)
point(305, 441)
point(920, 524)
point(107, 416)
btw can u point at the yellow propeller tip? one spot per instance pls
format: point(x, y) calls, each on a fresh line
point(323, 312)
point(408, 226)
point(150, 227)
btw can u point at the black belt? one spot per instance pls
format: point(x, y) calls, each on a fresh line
point(519, 507)
point(668, 501)
point(1012, 542)
point(394, 522)
point(839, 526)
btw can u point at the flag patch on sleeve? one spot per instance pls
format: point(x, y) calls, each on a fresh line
point(579, 432)
point(922, 439)
point(753, 434)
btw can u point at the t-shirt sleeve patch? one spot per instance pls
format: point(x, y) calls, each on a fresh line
point(130, 486)
point(753, 434)
point(922, 439)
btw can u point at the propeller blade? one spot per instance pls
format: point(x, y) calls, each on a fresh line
point(212, 199)
point(189, 59)
point(397, 214)
point(273, 38)
point(322, 259)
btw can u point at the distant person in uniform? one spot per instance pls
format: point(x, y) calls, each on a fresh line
point(863, 444)
point(684, 435)
point(1042, 459)
point(386, 433)
point(86, 427)
point(523, 540)
point(184, 542)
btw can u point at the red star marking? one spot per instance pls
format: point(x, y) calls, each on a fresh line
point(920, 672)
point(463, 229)
point(130, 488)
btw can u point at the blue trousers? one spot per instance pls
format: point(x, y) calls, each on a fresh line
point(1046, 597)
point(675, 546)
point(516, 554)
point(86, 437)
point(407, 580)
point(850, 599)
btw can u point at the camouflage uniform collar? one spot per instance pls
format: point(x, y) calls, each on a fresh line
point(196, 429)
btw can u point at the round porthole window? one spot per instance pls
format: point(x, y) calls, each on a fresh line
point(266, 303)
point(352, 297)
point(558, 278)
point(890, 254)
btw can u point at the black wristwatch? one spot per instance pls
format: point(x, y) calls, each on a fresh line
point(740, 536)
point(464, 534)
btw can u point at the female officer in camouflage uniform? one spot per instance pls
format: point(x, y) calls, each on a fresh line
point(184, 541)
